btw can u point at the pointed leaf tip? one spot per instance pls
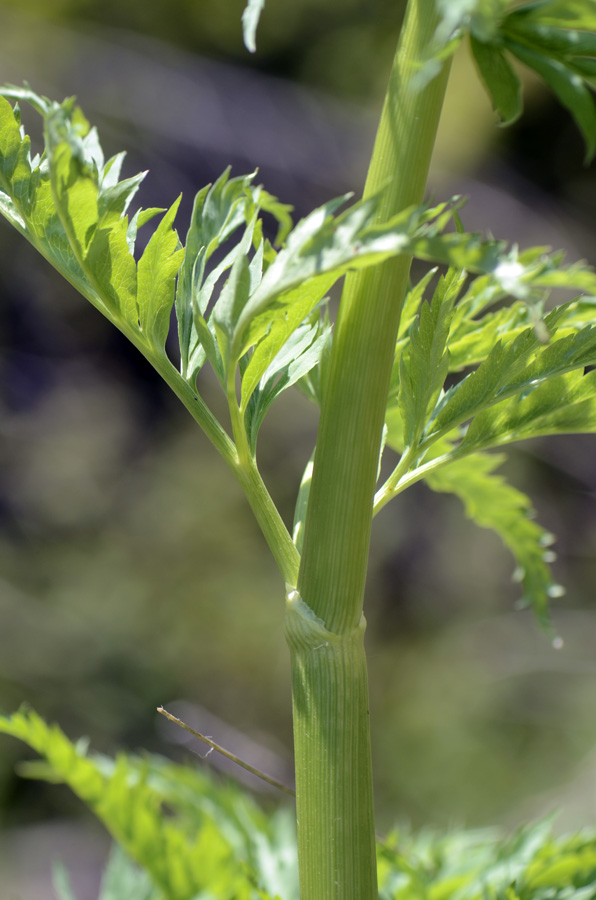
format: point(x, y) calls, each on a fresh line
point(250, 21)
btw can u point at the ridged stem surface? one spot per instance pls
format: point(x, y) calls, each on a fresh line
point(324, 621)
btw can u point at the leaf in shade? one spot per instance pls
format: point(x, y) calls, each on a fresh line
point(296, 357)
point(456, 18)
point(278, 325)
point(559, 13)
point(567, 85)
point(501, 82)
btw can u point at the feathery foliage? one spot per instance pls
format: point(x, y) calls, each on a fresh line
point(213, 839)
point(483, 362)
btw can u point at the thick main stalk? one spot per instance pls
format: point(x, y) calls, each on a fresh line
point(332, 741)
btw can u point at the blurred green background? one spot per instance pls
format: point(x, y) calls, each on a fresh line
point(131, 573)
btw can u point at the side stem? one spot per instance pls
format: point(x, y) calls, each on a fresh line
point(324, 621)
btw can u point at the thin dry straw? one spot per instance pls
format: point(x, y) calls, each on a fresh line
point(226, 753)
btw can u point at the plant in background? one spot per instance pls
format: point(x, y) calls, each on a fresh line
point(440, 372)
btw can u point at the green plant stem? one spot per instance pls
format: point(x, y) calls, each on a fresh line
point(337, 530)
point(336, 836)
point(266, 513)
point(385, 494)
point(244, 467)
point(325, 625)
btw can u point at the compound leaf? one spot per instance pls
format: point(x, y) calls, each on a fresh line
point(561, 405)
point(509, 369)
point(182, 860)
point(72, 206)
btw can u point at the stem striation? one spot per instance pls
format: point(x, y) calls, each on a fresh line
point(324, 618)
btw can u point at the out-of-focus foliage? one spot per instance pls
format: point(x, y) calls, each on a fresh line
point(189, 834)
point(216, 843)
point(529, 865)
point(307, 40)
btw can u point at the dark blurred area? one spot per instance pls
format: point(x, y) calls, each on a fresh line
point(131, 572)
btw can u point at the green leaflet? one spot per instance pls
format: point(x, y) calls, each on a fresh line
point(500, 80)
point(471, 340)
point(411, 306)
point(493, 503)
point(277, 325)
point(10, 145)
point(62, 884)
point(425, 363)
point(472, 337)
point(301, 504)
point(326, 245)
point(412, 302)
point(156, 275)
point(72, 206)
point(234, 297)
point(296, 357)
point(557, 406)
point(552, 38)
point(124, 881)
point(73, 176)
point(509, 369)
point(523, 275)
point(218, 210)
